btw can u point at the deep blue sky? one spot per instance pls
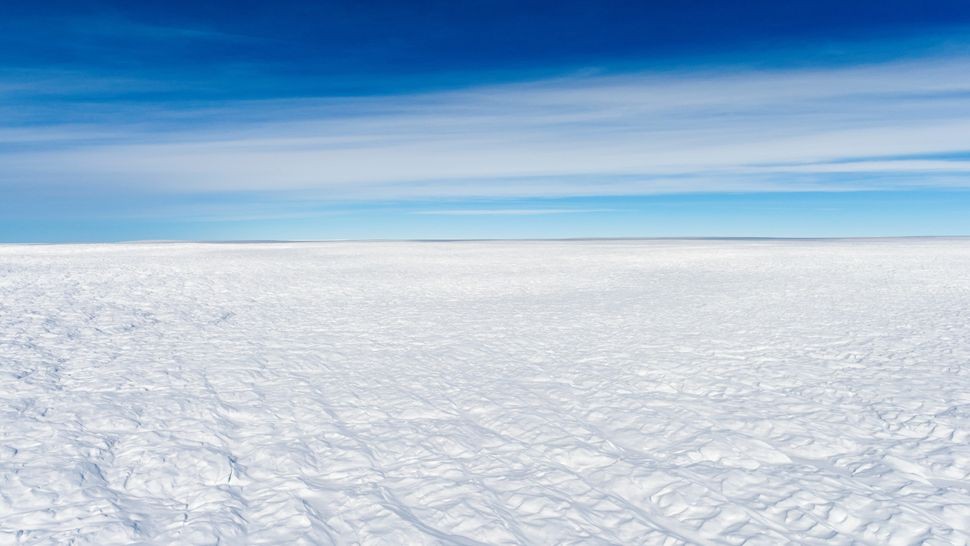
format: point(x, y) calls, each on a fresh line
point(318, 120)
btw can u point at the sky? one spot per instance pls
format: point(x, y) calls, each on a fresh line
point(238, 120)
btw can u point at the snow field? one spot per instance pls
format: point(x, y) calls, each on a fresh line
point(594, 392)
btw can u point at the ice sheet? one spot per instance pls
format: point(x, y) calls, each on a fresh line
point(596, 392)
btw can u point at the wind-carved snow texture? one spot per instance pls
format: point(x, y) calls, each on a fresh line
point(625, 392)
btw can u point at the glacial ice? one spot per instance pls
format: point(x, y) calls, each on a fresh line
point(597, 392)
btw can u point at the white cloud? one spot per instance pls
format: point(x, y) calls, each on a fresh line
point(640, 133)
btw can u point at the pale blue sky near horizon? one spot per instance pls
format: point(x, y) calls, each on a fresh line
point(314, 121)
point(815, 214)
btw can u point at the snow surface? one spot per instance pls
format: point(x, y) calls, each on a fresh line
point(631, 392)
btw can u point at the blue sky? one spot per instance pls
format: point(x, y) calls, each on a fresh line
point(333, 120)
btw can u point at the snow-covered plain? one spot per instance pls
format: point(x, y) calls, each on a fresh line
point(597, 392)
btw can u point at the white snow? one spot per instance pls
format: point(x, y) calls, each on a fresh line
point(597, 392)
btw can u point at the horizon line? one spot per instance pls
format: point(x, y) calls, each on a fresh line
point(480, 240)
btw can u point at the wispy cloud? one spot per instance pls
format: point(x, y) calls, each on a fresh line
point(115, 25)
point(507, 212)
point(728, 131)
